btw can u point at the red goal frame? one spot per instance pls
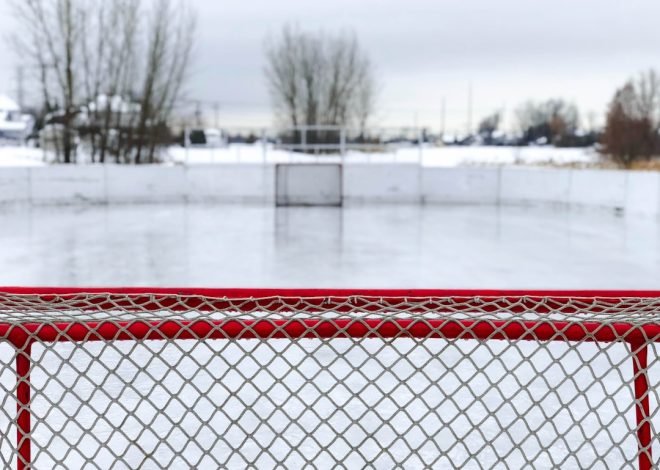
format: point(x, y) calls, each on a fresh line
point(636, 336)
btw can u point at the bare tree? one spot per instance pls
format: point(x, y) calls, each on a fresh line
point(646, 91)
point(110, 49)
point(53, 37)
point(320, 79)
point(170, 46)
point(365, 101)
point(552, 121)
point(283, 75)
point(114, 78)
point(489, 125)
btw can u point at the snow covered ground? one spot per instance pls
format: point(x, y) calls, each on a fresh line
point(428, 403)
point(428, 155)
point(12, 155)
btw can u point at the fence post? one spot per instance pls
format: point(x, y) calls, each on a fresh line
point(642, 412)
point(23, 417)
point(264, 147)
point(186, 143)
point(342, 141)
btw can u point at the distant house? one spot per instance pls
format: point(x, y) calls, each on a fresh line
point(14, 125)
point(115, 111)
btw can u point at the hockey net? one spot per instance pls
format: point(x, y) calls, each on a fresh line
point(288, 379)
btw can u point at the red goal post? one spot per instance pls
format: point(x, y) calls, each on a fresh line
point(378, 377)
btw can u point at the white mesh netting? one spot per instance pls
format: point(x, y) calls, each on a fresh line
point(198, 381)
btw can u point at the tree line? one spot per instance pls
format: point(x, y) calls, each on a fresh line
point(632, 122)
point(551, 122)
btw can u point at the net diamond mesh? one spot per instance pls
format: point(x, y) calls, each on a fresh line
point(167, 380)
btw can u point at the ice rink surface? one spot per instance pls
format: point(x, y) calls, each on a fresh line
point(361, 246)
point(438, 403)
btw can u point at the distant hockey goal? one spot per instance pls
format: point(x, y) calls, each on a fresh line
point(176, 378)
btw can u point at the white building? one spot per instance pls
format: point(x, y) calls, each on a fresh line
point(14, 125)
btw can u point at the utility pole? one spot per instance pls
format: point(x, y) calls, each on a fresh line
point(216, 110)
point(20, 86)
point(198, 113)
point(469, 119)
point(443, 116)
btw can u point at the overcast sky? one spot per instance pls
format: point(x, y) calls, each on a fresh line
point(427, 50)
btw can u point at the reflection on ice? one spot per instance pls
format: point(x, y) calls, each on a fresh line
point(361, 246)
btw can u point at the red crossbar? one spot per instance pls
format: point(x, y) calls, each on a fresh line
point(250, 292)
point(139, 330)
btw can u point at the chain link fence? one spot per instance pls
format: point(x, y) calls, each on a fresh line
point(290, 379)
point(304, 144)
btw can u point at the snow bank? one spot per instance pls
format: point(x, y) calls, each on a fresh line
point(12, 155)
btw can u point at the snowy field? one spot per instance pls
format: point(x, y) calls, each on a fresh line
point(430, 403)
point(11, 155)
point(427, 156)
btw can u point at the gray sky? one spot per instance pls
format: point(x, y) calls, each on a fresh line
point(424, 50)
